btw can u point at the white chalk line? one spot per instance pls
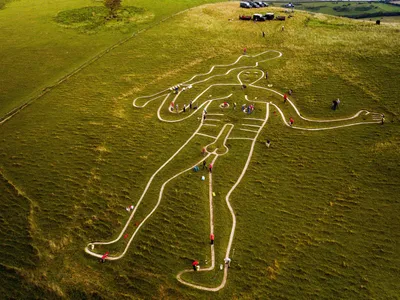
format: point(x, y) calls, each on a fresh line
point(206, 135)
point(250, 125)
point(206, 104)
point(240, 138)
point(222, 285)
point(249, 130)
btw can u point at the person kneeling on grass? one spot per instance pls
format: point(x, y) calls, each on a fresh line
point(195, 265)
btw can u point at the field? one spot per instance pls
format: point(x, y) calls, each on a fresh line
point(356, 10)
point(394, 19)
point(317, 213)
point(41, 47)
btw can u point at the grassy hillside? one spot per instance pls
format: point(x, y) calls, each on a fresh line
point(317, 213)
point(42, 43)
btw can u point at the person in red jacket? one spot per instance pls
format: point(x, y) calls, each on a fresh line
point(284, 98)
point(194, 265)
point(210, 168)
point(291, 121)
point(212, 238)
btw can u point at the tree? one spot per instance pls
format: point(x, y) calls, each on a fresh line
point(113, 6)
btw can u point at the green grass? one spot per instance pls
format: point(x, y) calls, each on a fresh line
point(38, 51)
point(355, 10)
point(317, 212)
point(394, 19)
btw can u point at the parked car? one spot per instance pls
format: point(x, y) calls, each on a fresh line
point(245, 5)
point(258, 17)
point(280, 18)
point(265, 3)
point(246, 18)
point(261, 4)
point(254, 5)
point(269, 16)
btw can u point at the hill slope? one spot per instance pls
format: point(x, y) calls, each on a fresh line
point(317, 212)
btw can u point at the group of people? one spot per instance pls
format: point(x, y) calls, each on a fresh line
point(185, 107)
point(196, 264)
point(248, 109)
point(210, 167)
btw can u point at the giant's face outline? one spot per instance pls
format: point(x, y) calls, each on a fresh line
point(250, 76)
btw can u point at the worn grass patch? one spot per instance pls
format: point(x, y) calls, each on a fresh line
point(93, 18)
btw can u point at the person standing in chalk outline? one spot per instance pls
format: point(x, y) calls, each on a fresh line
point(203, 151)
point(177, 108)
point(212, 239)
point(291, 121)
point(284, 98)
point(268, 143)
point(227, 261)
point(210, 168)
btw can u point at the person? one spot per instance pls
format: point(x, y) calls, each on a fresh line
point(284, 98)
point(184, 107)
point(291, 120)
point(283, 28)
point(383, 119)
point(263, 34)
point(194, 265)
point(210, 168)
point(266, 75)
point(243, 86)
point(177, 108)
point(204, 117)
point(338, 102)
point(290, 92)
point(227, 261)
point(190, 104)
point(268, 143)
point(103, 258)
point(204, 164)
point(334, 104)
point(212, 239)
point(245, 51)
point(203, 151)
